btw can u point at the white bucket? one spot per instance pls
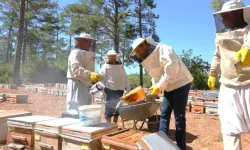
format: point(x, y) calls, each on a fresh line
point(90, 114)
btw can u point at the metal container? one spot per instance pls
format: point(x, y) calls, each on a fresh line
point(140, 110)
point(78, 137)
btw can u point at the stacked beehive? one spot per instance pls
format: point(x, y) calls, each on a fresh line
point(40, 132)
point(203, 102)
point(8, 86)
point(50, 89)
point(17, 98)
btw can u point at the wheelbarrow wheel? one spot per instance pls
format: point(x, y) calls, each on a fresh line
point(154, 123)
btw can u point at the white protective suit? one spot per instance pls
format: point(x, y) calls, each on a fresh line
point(115, 77)
point(234, 96)
point(80, 64)
point(166, 68)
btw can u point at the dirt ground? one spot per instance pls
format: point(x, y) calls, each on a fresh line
point(203, 132)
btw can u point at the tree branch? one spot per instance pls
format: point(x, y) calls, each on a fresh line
point(109, 15)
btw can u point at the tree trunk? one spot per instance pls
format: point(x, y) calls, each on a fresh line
point(25, 41)
point(116, 28)
point(16, 77)
point(44, 53)
point(70, 36)
point(57, 42)
point(140, 29)
point(8, 52)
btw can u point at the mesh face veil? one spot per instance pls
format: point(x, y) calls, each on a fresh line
point(230, 6)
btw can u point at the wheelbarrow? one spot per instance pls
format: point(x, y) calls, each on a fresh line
point(142, 110)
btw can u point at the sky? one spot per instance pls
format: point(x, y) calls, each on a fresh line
point(183, 25)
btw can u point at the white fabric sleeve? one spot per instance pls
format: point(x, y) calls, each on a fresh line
point(215, 65)
point(246, 36)
point(153, 81)
point(170, 62)
point(76, 67)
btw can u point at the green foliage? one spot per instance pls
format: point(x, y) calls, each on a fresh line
point(37, 70)
point(197, 67)
point(134, 80)
point(6, 71)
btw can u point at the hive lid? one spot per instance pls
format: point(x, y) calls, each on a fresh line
point(89, 129)
point(29, 119)
point(89, 132)
point(13, 113)
point(158, 140)
point(58, 122)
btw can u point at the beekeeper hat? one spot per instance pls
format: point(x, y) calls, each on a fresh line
point(139, 41)
point(236, 5)
point(111, 52)
point(84, 36)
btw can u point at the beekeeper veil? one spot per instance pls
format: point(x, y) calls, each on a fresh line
point(112, 52)
point(86, 36)
point(230, 6)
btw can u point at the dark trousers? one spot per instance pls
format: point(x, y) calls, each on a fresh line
point(176, 101)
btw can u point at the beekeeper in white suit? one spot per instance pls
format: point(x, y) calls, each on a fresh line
point(116, 83)
point(80, 74)
point(171, 75)
point(232, 46)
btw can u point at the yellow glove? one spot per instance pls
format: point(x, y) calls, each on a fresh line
point(155, 90)
point(243, 55)
point(95, 77)
point(211, 82)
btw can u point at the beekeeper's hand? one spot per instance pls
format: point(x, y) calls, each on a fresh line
point(95, 77)
point(243, 55)
point(211, 82)
point(155, 90)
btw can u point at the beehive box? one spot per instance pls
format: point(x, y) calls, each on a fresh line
point(188, 107)
point(1, 85)
point(47, 133)
point(2, 97)
point(211, 100)
point(79, 137)
point(199, 99)
point(4, 115)
point(199, 93)
point(192, 93)
point(48, 91)
point(42, 90)
point(17, 98)
point(211, 108)
point(34, 89)
point(61, 93)
point(198, 107)
point(122, 140)
point(21, 130)
point(10, 86)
